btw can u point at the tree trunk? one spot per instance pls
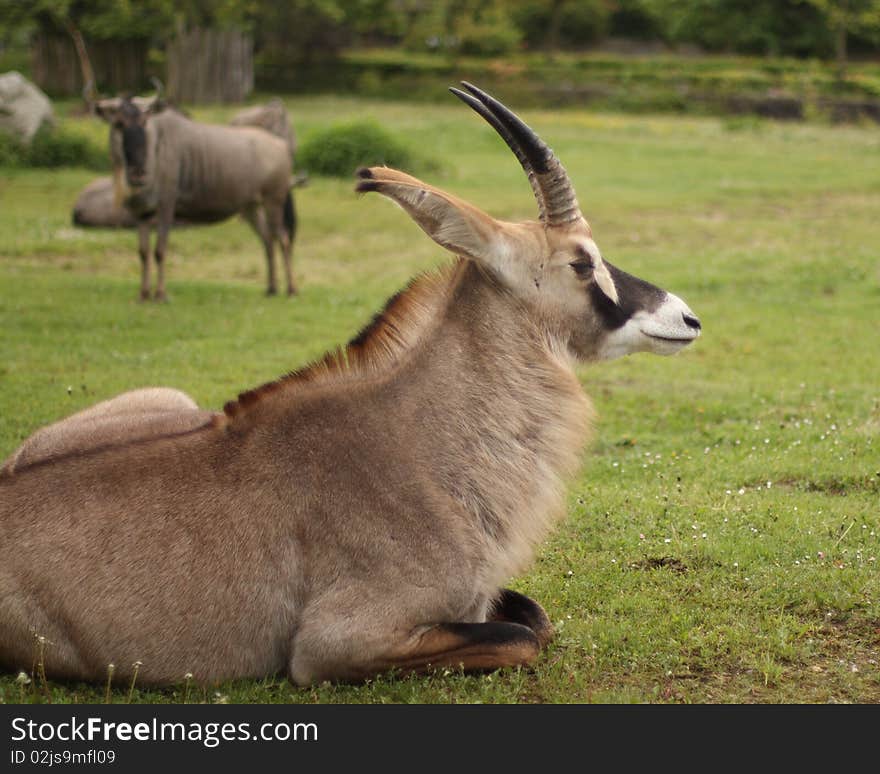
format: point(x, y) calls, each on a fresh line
point(840, 43)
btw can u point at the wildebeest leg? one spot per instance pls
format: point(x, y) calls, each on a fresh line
point(469, 646)
point(163, 227)
point(277, 231)
point(256, 216)
point(513, 607)
point(144, 253)
point(286, 235)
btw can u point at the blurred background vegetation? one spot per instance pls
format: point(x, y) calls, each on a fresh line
point(780, 58)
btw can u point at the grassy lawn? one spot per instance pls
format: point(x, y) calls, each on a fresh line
point(722, 537)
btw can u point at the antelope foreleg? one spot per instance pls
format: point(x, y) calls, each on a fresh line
point(473, 647)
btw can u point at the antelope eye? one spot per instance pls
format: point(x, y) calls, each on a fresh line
point(583, 262)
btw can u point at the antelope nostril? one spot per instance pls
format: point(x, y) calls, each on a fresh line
point(691, 321)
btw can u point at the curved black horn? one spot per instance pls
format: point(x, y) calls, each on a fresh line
point(560, 204)
point(158, 86)
point(490, 119)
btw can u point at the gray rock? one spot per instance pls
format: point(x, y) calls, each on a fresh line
point(23, 107)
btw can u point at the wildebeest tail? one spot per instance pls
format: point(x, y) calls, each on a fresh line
point(289, 216)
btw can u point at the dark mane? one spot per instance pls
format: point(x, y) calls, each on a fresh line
point(378, 346)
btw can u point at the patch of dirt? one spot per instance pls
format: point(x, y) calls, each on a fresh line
point(660, 562)
point(831, 485)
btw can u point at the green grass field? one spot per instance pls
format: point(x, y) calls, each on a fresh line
point(722, 538)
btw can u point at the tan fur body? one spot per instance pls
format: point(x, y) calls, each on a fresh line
point(306, 530)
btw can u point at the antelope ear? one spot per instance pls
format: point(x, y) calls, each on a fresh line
point(452, 223)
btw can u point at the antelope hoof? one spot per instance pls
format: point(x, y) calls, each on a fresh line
point(292, 291)
point(271, 292)
point(160, 297)
point(513, 607)
point(144, 296)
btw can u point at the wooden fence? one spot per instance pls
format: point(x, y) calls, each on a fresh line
point(208, 65)
point(119, 65)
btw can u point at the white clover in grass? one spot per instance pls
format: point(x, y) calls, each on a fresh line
point(22, 679)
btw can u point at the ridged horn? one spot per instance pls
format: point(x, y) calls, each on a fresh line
point(490, 118)
point(554, 192)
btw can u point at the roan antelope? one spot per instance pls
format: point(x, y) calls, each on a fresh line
point(361, 514)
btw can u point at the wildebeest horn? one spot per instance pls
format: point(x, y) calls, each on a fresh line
point(159, 86)
point(554, 192)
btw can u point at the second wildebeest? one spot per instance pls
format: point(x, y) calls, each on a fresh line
point(166, 166)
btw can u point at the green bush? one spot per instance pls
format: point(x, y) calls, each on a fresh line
point(340, 150)
point(52, 147)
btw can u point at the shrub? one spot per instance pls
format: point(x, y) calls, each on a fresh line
point(52, 147)
point(341, 149)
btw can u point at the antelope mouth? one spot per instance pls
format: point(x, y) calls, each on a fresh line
point(673, 339)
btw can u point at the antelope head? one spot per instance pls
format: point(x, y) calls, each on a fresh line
point(552, 265)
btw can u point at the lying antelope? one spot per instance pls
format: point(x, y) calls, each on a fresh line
point(359, 515)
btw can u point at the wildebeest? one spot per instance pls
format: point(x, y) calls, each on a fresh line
point(166, 166)
point(98, 206)
point(362, 513)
